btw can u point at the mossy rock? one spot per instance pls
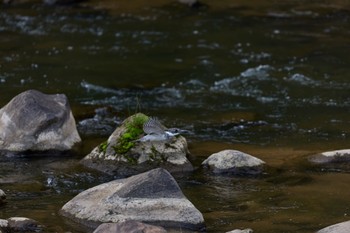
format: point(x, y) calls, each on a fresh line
point(123, 155)
point(123, 139)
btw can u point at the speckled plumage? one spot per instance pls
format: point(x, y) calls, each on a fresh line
point(155, 131)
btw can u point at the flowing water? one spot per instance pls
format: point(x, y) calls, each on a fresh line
point(269, 78)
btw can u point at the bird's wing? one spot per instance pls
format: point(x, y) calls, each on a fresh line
point(153, 126)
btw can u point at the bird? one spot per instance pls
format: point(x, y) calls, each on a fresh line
point(155, 131)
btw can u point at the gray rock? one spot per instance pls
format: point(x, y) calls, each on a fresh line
point(152, 197)
point(3, 224)
point(331, 156)
point(233, 161)
point(36, 121)
point(343, 227)
point(248, 230)
point(2, 196)
point(129, 226)
point(22, 224)
point(130, 157)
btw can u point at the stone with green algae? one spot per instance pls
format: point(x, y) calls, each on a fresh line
point(123, 155)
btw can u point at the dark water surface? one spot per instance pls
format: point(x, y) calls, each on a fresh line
point(270, 78)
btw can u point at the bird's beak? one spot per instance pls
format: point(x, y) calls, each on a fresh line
point(184, 131)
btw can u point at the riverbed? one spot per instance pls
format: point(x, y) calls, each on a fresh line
point(267, 78)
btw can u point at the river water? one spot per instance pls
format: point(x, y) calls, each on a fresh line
point(269, 78)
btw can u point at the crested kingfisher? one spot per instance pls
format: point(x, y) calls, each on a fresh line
point(155, 131)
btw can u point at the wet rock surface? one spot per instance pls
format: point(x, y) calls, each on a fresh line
point(38, 122)
point(125, 156)
point(152, 197)
point(235, 162)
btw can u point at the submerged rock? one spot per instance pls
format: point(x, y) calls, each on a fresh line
point(233, 161)
point(331, 157)
point(129, 226)
point(20, 224)
point(123, 155)
point(343, 227)
point(152, 197)
point(38, 122)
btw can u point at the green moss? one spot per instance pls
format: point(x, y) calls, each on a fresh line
point(130, 159)
point(103, 147)
point(134, 128)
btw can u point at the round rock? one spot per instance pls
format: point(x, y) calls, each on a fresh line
point(233, 161)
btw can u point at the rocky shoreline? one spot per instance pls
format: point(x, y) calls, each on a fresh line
point(148, 198)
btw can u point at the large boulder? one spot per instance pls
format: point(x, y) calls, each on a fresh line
point(152, 197)
point(36, 121)
point(343, 227)
point(235, 162)
point(123, 155)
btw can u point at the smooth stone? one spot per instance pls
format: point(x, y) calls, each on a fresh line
point(343, 227)
point(233, 161)
point(152, 197)
point(37, 122)
point(331, 156)
point(129, 226)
